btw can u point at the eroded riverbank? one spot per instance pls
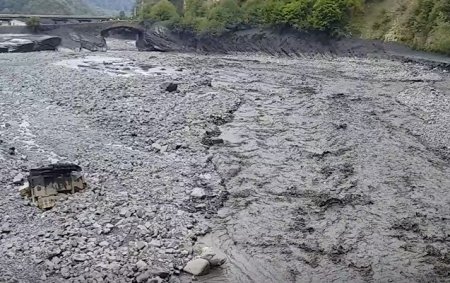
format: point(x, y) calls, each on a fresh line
point(314, 169)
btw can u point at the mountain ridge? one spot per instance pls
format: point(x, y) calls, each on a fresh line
point(66, 7)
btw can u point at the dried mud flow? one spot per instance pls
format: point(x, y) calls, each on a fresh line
point(308, 169)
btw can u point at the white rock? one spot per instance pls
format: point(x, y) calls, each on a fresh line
point(143, 277)
point(141, 265)
point(18, 179)
point(198, 266)
point(80, 257)
point(198, 193)
point(140, 245)
point(214, 258)
point(155, 243)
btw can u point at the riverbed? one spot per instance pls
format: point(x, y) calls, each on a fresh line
point(314, 168)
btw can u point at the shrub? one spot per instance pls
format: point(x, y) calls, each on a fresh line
point(252, 12)
point(272, 12)
point(297, 13)
point(327, 16)
point(122, 15)
point(439, 39)
point(224, 13)
point(34, 23)
point(216, 16)
point(161, 11)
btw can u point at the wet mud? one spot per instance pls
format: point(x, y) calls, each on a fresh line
point(340, 168)
point(314, 169)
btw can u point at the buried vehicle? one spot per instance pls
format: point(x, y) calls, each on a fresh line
point(44, 184)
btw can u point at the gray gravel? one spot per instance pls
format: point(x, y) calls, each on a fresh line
point(308, 169)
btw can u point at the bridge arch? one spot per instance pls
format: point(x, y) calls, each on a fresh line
point(132, 29)
point(127, 29)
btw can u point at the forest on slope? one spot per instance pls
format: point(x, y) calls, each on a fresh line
point(422, 24)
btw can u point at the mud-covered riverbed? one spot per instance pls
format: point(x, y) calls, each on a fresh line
point(312, 169)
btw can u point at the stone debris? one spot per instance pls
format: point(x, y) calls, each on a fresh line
point(18, 179)
point(143, 277)
point(141, 265)
point(198, 193)
point(5, 228)
point(206, 82)
point(140, 245)
point(202, 264)
point(80, 257)
point(272, 117)
point(170, 87)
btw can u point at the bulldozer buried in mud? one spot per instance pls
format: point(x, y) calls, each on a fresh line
point(45, 184)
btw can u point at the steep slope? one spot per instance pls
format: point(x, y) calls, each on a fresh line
point(422, 24)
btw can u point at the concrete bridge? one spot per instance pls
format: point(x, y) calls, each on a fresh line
point(53, 19)
point(92, 35)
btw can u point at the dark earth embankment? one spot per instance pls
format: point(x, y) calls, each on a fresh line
point(272, 41)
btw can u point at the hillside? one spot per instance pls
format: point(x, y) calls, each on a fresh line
point(422, 24)
point(66, 7)
point(63, 7)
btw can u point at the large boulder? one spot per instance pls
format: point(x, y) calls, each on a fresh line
point(214, 258)
point(28, 42)
point(20, 45)
point(198, 266)
point(48, 43)
point(89, 42)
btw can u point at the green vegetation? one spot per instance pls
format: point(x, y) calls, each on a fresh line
point(216, 16)
point(422, 24)
point(162, 10)
point(122, 15)
point(34, 23)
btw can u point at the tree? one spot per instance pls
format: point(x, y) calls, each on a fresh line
point(34, 23)
point(253, 11)
point(327, 16)
point(225, 13)
point(298, 13)
point(272, 11)
point(161, 11)
point(122, 15)
point(195, 8)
